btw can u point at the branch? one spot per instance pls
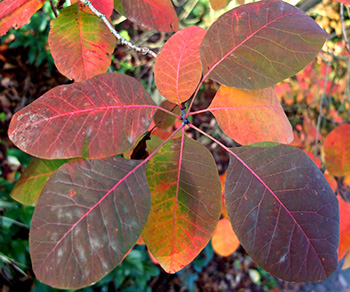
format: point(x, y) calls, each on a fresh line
point(53, 8)
point(142, 50)
point(347, 45)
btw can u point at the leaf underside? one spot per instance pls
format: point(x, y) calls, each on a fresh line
point(81, 44)
point(260, 44)
point(283, 211)
point(88, 217)
point(97, 118)
point(186, 202)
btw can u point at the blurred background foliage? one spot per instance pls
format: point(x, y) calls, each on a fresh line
point(27, 71)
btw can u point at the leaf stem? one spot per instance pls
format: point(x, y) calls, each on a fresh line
point(342, 20)
point(168, 112)
point(142, 50)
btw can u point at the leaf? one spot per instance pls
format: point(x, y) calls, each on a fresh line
point(178, 68)
point(80, 43)
point(186, 202)
point(164, 120)
point(90, 214)
point(346, 264)
point(32, 181)
point(251, 116)
point(17, 13)
point(97, 118)
point(224, 241)
point(344, 228)
point(260, 44)
point(283, 212)
point(152, 14)
point(103, 6)
point(337, 151)
point(218, 4)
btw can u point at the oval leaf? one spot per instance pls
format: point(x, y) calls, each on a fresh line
point(260, 44)
point(178, 68)
point(88, 217)
point(80, 43)
point(186, 202)
point(153, 14)
point(337, 151)
point(251, 116)
point(17, 13)
point(218, 4)
point(344, 229)
point(224, 241)
point(97, 118)
point(283, 211)
point(28, 188)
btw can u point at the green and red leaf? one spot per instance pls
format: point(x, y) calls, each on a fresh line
point(81, 44)
point(186, 202)
point(251, 116)
point(103, 6)
point(283, 211)
point(260, 44)
point(152, 14)
point(28, 188)
point(178, 68)
point(16, 13)
point(337, 151)
point(89, 216)
point(97, 118)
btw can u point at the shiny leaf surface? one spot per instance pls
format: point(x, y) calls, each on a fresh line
point(186, 202)
point(283, 211)
point(97, 118)
point(260, 44)
point(88, 217)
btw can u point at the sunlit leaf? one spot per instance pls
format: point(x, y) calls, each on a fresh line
point(259, 44)
point(251, 116)
point(88, 217)
point(186, 202)
point(224, 241)
point(153, 14)
point(178, 68)
point(103, 6)
point(97, 118)
point(15, 13)
point(32, 181)
point(80, 43)
point(337, 151)
point(283, 212)
point(344, 229)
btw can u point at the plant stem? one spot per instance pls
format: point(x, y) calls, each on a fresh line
point(342, 20)
point(53, 8)
point(142, 50)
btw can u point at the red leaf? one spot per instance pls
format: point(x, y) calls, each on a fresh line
point(80, 43)
point(17, 13)
point(178, 68)
point(103, 6)
point(97, 118)
point(28, 188)
point(186, 202)
point(260, 44)
point(224, 241)
point(344, 229)
point(153, 14)
point(251, 116)
point(337, 151)
point(76, 240)
point(283, 211)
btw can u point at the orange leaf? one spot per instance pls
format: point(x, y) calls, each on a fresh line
point(251, 116)
point(17, 13)
point(223, 208)
point(218, 4)
point(344, 228)
point(337, 151)
point(224, 241)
